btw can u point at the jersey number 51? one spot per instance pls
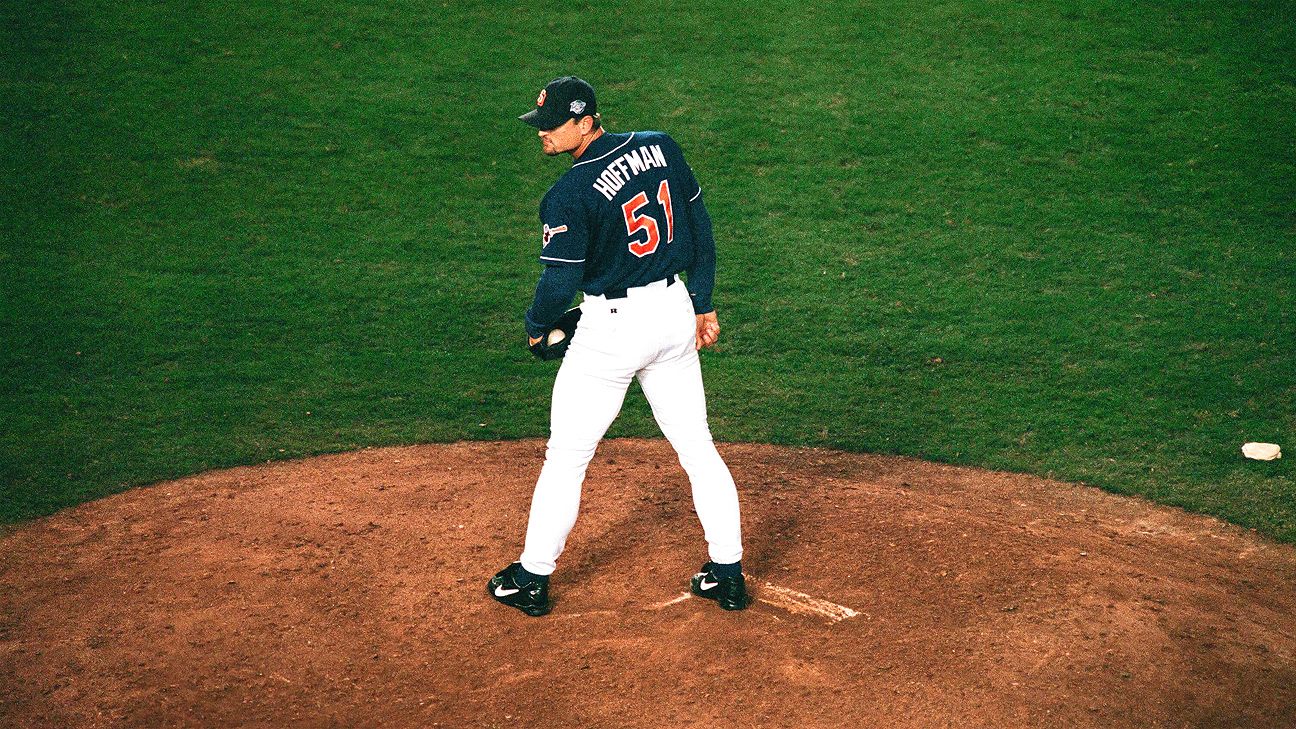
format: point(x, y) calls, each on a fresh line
point(647, 223)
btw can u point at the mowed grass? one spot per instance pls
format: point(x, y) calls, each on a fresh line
point(1044, 236)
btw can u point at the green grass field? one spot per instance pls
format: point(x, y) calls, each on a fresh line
point(1039, 236)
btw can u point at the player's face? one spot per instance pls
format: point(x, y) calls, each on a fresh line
point(561, 139)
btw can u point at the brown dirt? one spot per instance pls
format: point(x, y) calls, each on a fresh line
point(348, 590)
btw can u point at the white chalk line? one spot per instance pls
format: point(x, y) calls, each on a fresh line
point(569, 616)
point(802, 604)
point(787, 599)
point(681, 598)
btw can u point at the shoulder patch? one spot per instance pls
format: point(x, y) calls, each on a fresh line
point(549, 233)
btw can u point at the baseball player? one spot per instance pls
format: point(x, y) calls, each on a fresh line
point(622, 225)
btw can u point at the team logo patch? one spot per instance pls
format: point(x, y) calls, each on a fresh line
point(540, 99)
point(577, 106)
point(549, 233)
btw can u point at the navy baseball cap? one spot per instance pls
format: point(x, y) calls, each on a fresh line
point(564, 98)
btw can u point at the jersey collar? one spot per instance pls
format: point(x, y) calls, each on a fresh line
point(603, 146)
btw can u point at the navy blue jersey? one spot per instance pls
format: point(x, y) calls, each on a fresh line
point(629, 212)
point(622, 211)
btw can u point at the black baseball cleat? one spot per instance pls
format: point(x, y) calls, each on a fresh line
point(730, 592)
point(532, 598)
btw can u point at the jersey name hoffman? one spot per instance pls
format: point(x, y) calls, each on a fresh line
point(619, 171)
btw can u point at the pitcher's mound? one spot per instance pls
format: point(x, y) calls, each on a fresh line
point(348, 590)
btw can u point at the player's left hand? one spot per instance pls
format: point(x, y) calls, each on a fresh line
point(553, 344)
point(708, 330)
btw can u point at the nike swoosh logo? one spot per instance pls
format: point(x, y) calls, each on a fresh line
point(704, 585)
point(502, 591)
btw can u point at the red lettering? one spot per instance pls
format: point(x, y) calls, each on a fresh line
point(663, 197)
point(635, 223)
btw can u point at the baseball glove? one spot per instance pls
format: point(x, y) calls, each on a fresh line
point(553, 345)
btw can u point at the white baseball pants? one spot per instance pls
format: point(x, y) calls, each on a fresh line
point(649, 334)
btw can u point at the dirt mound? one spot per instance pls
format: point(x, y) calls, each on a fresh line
point(348, 590)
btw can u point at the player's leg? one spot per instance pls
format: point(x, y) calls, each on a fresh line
point(587, 396)
point(673, 386)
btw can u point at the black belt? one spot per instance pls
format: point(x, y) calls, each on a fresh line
point(621, 293)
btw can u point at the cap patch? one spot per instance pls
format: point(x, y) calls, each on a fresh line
point(577, 106)
point(540, 99)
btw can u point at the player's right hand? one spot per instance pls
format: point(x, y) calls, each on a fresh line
point(708, 330)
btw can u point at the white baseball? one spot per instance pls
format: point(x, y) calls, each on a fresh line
point(1261, 451)
point(556, 336)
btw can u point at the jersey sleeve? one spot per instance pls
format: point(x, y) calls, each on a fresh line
point(554, 292)
point(564, 232)
point(701, 271)
point(692, 190)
